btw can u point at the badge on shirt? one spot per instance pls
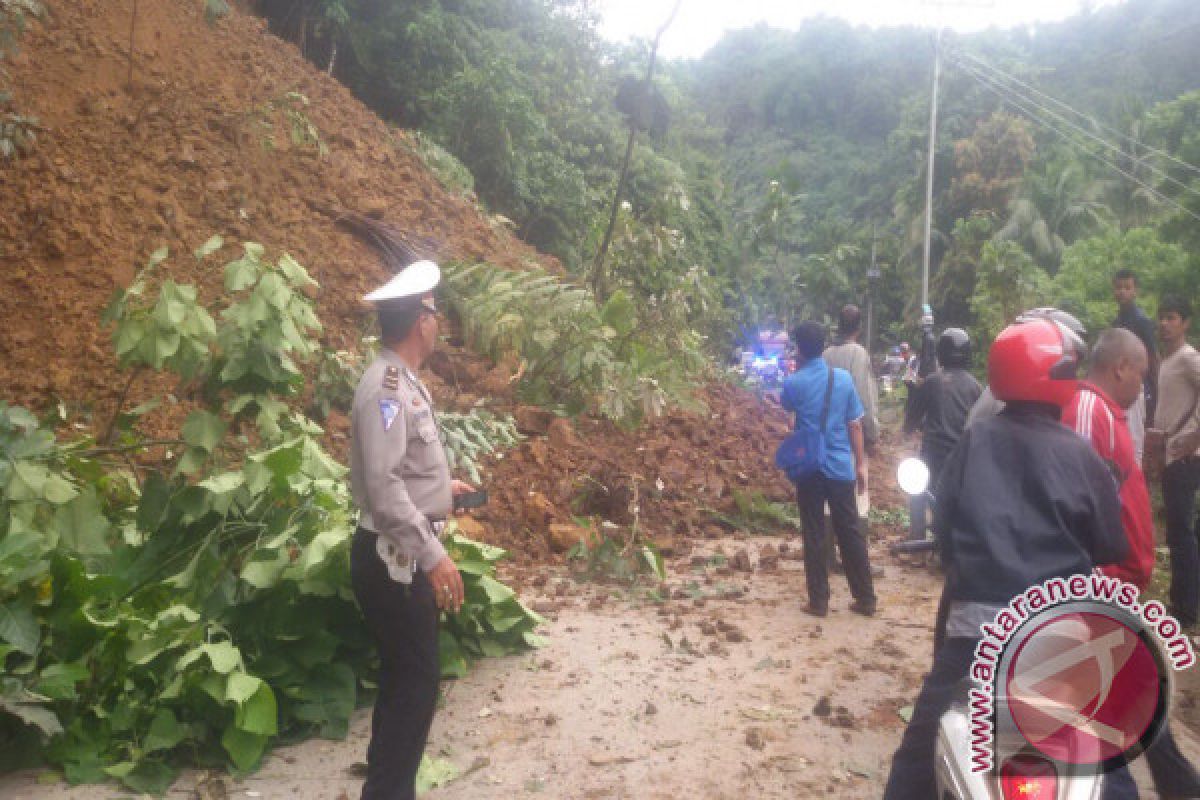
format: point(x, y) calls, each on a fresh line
point(389, 408)
point(391, 378)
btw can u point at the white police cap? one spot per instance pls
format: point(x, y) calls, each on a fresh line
point(413, 281)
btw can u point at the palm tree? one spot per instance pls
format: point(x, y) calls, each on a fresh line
point(1054, 208)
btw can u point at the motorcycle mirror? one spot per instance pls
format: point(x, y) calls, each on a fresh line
point(913, 476)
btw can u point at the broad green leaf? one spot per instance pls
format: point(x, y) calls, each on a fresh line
point(147, 776)
point(192, 461)
point(208, 248)
point(19, 628)
point(57, 681)
point(265, 574)
point(496, 591)
point(82, 528)
point(28, 482)
point(327, 699)
point(57, 490)
point(435, 773)
point(40, 717)
point(241, 687)
point(156, 497)
point(295, 273)
point(165, 732)
point(203, 430)
point(223, 656)
point(224, 483)
point(158, 256)
point(245, 749)
point(258, 713)
point(240, 274)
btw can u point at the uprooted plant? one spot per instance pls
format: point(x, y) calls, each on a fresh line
point(186, 600)
point(575, 353)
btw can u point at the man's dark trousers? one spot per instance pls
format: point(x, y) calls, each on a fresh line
point(1180, 481)
point(403, 620)
point(811, 495)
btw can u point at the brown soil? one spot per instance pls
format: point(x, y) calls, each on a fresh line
point(197, 145)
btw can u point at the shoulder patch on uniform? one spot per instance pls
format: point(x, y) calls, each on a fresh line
point(391, 378)
point(389, 409)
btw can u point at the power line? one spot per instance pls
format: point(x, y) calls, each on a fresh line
point(1006, 95)
point(1092, 120)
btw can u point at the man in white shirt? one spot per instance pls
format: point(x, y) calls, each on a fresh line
point(1177, 417)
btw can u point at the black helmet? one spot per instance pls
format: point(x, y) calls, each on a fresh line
point(954, 348)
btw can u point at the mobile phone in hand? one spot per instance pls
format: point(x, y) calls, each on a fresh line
point(471, 499)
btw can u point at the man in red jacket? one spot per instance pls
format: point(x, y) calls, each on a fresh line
point(1097, 413)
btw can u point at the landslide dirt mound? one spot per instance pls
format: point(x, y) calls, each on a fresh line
point(200, 143)
point(675, 477)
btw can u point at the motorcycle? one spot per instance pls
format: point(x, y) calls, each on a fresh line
point(1022, 775)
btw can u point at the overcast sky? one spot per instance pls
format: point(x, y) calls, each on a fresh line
point(701, 22)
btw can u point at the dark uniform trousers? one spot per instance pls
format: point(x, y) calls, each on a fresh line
point(403, 620)
point(811, 495)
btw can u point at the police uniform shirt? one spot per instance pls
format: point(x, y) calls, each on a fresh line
point(398, 470)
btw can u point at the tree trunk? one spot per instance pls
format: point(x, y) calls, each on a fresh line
point(599, 279)
point(332, 56)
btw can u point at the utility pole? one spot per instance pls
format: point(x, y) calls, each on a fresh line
point(941, 5)
point(937, 73)
point(872, 275)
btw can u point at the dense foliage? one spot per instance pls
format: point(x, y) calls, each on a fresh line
point(767, 172)
point(188, 600)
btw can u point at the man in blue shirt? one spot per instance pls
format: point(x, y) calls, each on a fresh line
point(842, 472)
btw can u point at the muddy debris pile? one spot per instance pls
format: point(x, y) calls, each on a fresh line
point(674, 479)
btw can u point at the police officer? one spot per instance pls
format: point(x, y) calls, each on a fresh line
point(401, 574)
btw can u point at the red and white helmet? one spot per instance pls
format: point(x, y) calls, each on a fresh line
point(1035, 362)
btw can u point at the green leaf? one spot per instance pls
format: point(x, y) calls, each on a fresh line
point(240, 274)
point(146, 776)
point(496, 591)
point(241, 687)
point(208, 248)
point(223, 656)
point(45, 720)
point(57, 681)
point(56, 490)
point(28, 482)
point(257, 712)
point(224, 483)
point(203, 430)
point(156, 497)
point(165, 732)
point(82, 527)
point(327, 699)
point(265, 574)
point(245, 749)
point(19, 628)
point(434, 773)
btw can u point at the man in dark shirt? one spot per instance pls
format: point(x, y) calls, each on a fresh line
point(1022, 499)
point(1133, 318)
point(939, 409)
point(943, 401)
